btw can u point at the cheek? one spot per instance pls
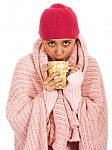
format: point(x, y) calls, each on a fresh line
point(49, 51)
point(69, 51)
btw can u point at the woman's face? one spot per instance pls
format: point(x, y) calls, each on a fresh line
point(59, 49)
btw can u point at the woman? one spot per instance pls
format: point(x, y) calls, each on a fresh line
point(44, 118)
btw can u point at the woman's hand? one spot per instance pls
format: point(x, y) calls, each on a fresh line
point(49, 82)
point(74, 68)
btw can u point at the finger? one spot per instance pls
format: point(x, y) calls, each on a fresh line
point(52, 76)
point(55, 81)
point(44, 72)
point(46, 67)
point(74, 68)
point(55, 86)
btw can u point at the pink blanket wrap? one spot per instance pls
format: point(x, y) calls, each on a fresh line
point(36, 126)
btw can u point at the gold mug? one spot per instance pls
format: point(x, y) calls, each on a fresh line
point(62, 67)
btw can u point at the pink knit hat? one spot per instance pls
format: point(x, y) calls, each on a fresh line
point(58, 21)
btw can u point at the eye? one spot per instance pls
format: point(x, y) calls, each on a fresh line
point(66, 43)
point(51, 43)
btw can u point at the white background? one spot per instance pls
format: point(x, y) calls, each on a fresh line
point(19, 30)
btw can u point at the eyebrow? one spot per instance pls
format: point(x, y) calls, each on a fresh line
point(62, 40)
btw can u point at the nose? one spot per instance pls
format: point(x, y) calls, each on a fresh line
point(59, 50)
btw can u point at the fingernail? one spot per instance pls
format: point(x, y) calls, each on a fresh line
point(44, 65)
point(49, 65)
point(69, 67)
point(61, 79)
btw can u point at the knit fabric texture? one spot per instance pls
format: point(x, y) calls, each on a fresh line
point(58, 21)
point(28, 115)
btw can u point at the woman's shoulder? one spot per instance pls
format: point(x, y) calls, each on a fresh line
point(27, 58)
point(92, 67)
point(92, 62)
point(26, 62)
point(92, 73)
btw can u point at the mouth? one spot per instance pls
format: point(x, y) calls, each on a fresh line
point(59, 57)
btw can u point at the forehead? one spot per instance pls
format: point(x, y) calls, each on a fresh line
point(61, 40)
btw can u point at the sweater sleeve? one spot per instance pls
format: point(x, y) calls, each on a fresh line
point(92, 112)
point(24, 108)
point(50, 99)
point(73, 90)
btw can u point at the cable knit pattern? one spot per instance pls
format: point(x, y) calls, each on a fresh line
point(50, 99)
point(26, 107)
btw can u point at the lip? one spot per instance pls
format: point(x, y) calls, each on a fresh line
point(59, 57)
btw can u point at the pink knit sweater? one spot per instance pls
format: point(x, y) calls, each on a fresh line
point(30, 113)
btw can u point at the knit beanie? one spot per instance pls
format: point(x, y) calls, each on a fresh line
point(58, 21)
